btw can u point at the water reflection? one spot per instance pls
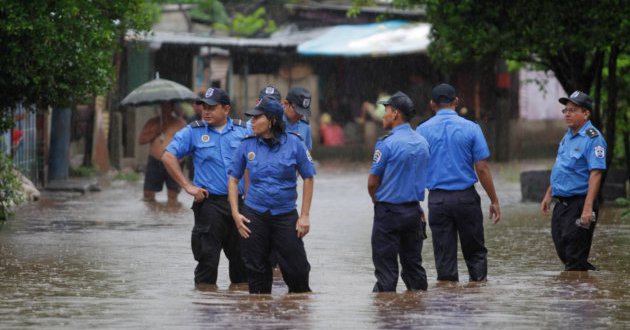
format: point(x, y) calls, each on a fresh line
point(237, 308)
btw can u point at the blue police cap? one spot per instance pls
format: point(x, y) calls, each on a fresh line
point(443, 93)
point(270, 91)
point(300, 98)
point(401, 102)
point(579, 98)
point(266, 105)
point(214, 96)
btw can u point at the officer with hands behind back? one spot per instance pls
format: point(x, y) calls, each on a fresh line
point(575, 180)
point(212, 142)
point(396, 185)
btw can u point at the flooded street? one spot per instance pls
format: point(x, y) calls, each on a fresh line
point(109, 260)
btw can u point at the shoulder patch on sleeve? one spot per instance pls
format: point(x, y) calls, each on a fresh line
point(592, 133)
point(248, 136)
point(377, 156)
point(600, 152)
point(196, 124)
point(385, 136)
point(238, 122)
point(298, 135)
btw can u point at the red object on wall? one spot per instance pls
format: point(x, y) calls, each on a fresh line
point(504, 80)
point(332, 135)
point(16, 136)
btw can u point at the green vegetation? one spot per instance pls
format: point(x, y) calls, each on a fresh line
point(249, 17)
point(128, 176)
point(10, 187)
point(83, 171)
point(625, 203)
point(61, 52)
point(248, 25)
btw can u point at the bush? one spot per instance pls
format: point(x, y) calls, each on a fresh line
point(10, 187)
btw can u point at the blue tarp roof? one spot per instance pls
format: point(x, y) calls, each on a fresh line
point(376, 39)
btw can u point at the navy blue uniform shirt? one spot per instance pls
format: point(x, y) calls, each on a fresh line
point(272, 171)
point(212, 152)
point(456, 144)
point(578, 154)
point(401, 159)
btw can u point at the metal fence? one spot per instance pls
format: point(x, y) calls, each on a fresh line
point(21, 142)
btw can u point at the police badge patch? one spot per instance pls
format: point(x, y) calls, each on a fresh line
point(269, 90)
point(306, 103)
point(205, 138)
point(377, 156)
point(251, 155)
point(575, 94)
point(600, 152)
point(209, 92)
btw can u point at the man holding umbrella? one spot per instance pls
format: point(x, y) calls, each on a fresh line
point(158, 133)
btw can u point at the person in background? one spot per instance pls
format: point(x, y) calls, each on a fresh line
point(297, 108)
point(331, 133)
point(158, 133)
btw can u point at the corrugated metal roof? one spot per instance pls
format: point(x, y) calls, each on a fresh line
point(377, 39)
point(287, 38)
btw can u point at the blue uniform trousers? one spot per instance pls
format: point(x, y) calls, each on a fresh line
point(215, 230)
point(398, 232)
point(453, 213)
point(573, 243)
point(274, 232)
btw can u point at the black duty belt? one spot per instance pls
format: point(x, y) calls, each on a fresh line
point(568, 200)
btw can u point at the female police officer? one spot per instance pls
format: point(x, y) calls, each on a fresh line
point(269, 219)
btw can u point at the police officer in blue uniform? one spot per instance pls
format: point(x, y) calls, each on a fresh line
point(212, 142)
point(575, 180)
point(458, 152)
point(396, 184)
point(297, 108)
point(268, 220)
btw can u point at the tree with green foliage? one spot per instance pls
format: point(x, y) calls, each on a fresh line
point(249, 17)
point(580, 41)
point(59, 53)
point(243, 25)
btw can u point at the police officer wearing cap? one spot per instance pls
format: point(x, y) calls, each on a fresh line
point(458, 159)
point(396, 184)
point(212, 143)
point(575, 180)
point(268, 219)
point(297, 108)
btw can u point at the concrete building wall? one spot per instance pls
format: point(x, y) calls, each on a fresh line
point(538, 96)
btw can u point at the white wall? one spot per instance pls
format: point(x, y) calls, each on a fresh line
point(536, 103)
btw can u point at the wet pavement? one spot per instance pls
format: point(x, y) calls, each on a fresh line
point(108, 260)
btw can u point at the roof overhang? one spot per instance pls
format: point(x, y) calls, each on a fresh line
point(377, 39)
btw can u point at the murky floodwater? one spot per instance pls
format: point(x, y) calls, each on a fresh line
point(108, 260)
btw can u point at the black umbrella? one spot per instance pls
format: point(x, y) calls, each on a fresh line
point(158, 90)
